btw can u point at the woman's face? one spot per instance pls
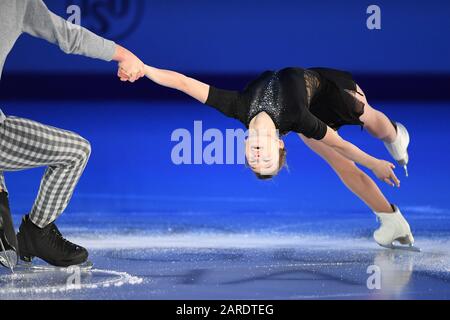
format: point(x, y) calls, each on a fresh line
point(262, 150)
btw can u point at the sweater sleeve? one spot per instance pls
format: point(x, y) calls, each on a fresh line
point(224, 100)
point(40, 22)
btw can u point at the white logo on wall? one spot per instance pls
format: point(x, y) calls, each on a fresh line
point(374, 19)
point(112, 19)
point(374, 280)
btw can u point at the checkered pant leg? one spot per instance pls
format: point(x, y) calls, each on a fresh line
point(26, 144)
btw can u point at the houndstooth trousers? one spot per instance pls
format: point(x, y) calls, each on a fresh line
point(26, 144)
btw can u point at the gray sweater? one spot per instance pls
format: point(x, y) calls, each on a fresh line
point(34, 18)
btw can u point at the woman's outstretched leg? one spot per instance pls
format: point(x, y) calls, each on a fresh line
point(354, 178)
point(394, 226)
point(379, 125)
point(376, 122)
point(394, 135)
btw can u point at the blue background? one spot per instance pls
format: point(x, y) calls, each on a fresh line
point(131, 170)
point(249, 36)
point(312, 235)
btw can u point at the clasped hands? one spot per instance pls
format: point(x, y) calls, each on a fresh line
point(131, 68)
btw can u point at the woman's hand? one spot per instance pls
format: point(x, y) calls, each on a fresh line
point(131, 68)
point(384, 171)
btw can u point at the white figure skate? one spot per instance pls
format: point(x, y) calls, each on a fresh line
point(394, 228)
point(399, 148)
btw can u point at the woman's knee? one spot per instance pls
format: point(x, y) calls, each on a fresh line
point(369, 117)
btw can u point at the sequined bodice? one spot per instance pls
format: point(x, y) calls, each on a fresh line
point(291, 97)
point(269, 101)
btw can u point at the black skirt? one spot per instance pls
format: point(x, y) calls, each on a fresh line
point(335, 103)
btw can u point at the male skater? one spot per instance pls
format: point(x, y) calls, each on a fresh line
point(26, 144)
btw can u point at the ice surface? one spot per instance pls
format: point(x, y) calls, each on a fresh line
point(320, 258)
point(158, 231)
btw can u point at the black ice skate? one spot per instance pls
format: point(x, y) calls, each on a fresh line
point(49, 245)
point(8, 240)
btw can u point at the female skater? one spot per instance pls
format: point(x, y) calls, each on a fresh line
point(314, 103)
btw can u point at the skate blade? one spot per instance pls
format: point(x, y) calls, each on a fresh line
point(404, 163)
point(410, 248)
point(8, 258)
point(30, 266)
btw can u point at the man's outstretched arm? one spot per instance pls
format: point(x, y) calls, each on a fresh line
point(40, 22)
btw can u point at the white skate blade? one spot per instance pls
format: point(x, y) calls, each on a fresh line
point(410, 247)
point(30, 266)
point(7, 257)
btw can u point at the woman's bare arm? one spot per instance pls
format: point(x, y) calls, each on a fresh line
point(192, 87)
point(382, 169)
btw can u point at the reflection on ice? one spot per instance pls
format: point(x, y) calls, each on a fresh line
point(35, 284)
point(278, 257)
point(240, 266)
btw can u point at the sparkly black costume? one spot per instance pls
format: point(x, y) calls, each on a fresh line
point(300, 100)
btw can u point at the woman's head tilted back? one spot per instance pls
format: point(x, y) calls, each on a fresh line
point(265, 150)
point(265, 153)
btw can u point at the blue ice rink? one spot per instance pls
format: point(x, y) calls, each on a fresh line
point(160, 231)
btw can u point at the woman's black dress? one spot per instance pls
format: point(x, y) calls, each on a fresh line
point(305, 101)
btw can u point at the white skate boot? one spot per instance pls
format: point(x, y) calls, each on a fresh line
point(394, 227)
point(399, 148)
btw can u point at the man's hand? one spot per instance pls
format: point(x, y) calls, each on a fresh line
point(131, 68)
point(384, 171)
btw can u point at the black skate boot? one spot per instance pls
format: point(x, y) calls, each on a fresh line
point(49, 245)
point(8, 240)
